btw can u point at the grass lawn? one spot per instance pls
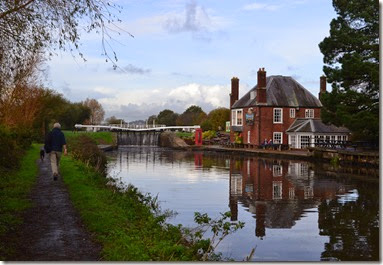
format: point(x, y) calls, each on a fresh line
point(99, 137)
point(14, 191)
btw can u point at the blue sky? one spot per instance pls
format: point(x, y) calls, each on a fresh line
point(186, 52)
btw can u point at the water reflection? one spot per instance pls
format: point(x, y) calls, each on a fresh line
point(279, 193)
point(294, 211)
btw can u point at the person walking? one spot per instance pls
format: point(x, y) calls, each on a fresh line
point(55, 144)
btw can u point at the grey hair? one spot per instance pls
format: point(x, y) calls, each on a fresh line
point(57, 125)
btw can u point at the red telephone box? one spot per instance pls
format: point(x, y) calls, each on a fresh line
point(198, 136)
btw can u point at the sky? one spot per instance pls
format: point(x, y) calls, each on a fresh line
point(185, 53)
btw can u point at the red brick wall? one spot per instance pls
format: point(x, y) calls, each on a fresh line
point(263, 117)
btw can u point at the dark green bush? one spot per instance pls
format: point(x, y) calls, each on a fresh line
point(85, 149)
point(10, 150)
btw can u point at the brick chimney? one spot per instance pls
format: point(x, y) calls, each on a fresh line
point(323, 84)
point(234, 90)
point(261, 89)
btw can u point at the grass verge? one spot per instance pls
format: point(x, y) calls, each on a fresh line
point(99, 137)
point(15, 187)
point(122, 221)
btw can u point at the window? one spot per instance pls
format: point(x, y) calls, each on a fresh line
point(332, 138)
point(233, 117)
point(305, 141)
point(344, 137)
point(277, 138)
point(277, 170)
point(239, 117)
point(248, 137)
point(293, 141)
point(309, 113)
point(236, 117)
point(292, 113)
point(291, 193)
point(277, 115)
point(277, 190)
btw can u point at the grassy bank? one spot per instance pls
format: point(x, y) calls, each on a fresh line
point(15, 187)
point(99, 137)
point(123, 222)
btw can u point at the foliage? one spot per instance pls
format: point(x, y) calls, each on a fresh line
point(351, 57)
point(15, 187)
point(114, 120)
point(29, 27)
point(151, 119)
point(238, 139)
point(85, 149)
point(219, 227)
point(96, 111)
point(191, 116)
point(218, 118)
point(167, 117)
point(72, 114)
point(208, 134)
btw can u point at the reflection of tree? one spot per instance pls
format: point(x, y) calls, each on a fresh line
point(353, 227)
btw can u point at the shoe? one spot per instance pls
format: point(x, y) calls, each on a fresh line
point(54, 176)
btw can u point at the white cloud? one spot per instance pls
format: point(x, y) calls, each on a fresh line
point(137, 104)
point(261, 6)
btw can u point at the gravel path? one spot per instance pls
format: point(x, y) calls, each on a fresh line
point(52, 230)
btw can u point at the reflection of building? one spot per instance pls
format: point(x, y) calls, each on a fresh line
point(277, 192)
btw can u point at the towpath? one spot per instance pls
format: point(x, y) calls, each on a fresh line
point(52, 229)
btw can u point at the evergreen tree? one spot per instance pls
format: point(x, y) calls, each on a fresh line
point(351, 57)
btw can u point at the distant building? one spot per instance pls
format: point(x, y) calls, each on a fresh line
point(275, 109)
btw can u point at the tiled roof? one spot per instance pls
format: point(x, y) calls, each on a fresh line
point(314, 126)
point(282, 91)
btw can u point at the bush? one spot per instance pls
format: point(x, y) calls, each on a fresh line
point(10, 150)
point(85, 149)
point(208, 135)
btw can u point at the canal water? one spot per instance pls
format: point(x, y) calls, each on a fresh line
point(293, 210)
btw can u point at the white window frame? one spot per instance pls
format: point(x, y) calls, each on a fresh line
point(236, 117)
point(303, 144)
point(293, 141)
point(277, 170)
point(233, 117)
point(309, 113)
point(277, 190)
point(292, 113)
point(239, 117)
point(280, 120)
point(274, 137)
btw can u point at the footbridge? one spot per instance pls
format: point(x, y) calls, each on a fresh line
point(136, 128)
point(137, 134)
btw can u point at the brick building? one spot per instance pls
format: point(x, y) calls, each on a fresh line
point(270, 108)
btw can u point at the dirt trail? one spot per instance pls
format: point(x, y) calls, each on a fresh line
point(52, 230)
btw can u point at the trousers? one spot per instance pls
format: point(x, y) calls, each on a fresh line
point(55, 161)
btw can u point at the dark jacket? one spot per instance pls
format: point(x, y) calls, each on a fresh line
point(58, 140)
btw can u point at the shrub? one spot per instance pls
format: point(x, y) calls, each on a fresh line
point(10, 150)
point(85, 149)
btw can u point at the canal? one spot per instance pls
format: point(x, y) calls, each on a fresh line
point(293, 210)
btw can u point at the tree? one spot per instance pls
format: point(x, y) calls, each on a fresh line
point(114, 120)
point(96, 111)
point(351, 57)
point(191, 116)
point(167, 117)
point(72, 114)
point(218, 118)
point(151, 119)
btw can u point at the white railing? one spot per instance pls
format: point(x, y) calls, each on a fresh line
point(118, 127)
